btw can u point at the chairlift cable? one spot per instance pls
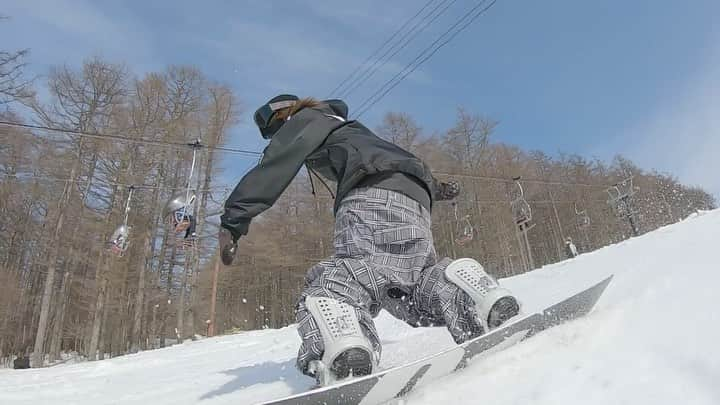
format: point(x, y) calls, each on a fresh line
point(97, 135)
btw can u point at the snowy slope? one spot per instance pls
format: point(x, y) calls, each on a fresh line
point(653, 339)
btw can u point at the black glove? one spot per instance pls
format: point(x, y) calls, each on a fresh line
point(228, 246)
point(448, 190)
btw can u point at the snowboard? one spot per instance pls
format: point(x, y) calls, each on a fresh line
point(396, 382)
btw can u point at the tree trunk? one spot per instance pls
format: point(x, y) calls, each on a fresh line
point(38, 350)
point(135, 335)
point(99, 307)
point(103, 324)
point(213, 297)
point(180, 328)
point(56, 342)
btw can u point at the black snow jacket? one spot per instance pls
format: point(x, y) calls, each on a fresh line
point(342, 151)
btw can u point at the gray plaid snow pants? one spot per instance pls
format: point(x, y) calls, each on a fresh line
point(384, 259)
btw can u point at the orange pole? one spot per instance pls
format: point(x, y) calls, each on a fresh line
point(213, 298)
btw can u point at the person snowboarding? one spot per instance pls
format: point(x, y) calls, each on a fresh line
point(384, 253)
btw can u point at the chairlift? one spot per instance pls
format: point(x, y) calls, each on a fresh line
point(614, 192)
point(179, 212)
point(583, 219)
point(522, 213)
point(468, 232)
point(622, 189)
point(180, 208)
point(120, 239)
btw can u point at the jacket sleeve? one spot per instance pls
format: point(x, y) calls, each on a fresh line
point(262, 186)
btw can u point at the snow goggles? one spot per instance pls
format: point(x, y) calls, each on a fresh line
point(264, 115)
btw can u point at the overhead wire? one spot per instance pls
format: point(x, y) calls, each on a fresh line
point(377, 50)
point(424, 56)
point(408, 38)
point(229, 187)
point(489, 202)
point(23, 176)
point(120, 138)
point(524, 180)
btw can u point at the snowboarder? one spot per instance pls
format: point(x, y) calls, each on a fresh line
point(384, 254)
point(570, 248)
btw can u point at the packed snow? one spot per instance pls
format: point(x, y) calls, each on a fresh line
point(652, 339)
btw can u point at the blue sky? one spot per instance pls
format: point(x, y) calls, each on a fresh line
point(640, 78)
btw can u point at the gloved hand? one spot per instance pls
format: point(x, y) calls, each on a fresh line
point(228, 246)
point(448, 190)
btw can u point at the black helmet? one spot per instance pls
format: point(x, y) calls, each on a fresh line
point(264, 114)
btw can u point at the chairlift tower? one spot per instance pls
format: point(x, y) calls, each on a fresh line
point(621, 199)
point(522, 215)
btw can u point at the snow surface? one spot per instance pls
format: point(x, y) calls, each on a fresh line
point(652, 339)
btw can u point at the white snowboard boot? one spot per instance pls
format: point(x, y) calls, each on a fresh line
point(494, 305)
point(347, 351)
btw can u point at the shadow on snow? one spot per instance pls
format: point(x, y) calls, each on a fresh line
point(264, 373)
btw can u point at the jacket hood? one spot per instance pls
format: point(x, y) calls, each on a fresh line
point(338, 106)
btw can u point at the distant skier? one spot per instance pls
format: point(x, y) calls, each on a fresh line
point(570, 248)
point(384, 255)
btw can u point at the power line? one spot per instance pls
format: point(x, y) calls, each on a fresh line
point(107, 183)
point(507, 202)
point(227, 187)
point(254, 154)
point(388, 41)
point(524, 180)
point(420, 59)
point(97, 135)
point(412, 35)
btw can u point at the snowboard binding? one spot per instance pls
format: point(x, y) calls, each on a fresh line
point(348, 353)
point(494, 305)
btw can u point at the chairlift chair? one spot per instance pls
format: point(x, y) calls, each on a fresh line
point(583, 219)
point(468, 233)
point(179, 210)
point(119, 241)
point(522, 213)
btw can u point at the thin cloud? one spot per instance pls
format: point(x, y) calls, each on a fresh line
point(683, 136)
point(87, 28)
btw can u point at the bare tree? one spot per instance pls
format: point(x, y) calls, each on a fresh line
point(400, 129)
point(13, 85)
point(467, 140)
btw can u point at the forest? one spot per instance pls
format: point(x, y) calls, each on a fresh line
point(94, 146)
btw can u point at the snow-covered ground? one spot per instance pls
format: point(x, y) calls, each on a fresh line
point(652, 339)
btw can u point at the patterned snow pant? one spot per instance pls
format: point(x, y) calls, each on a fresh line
point(384, 259)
